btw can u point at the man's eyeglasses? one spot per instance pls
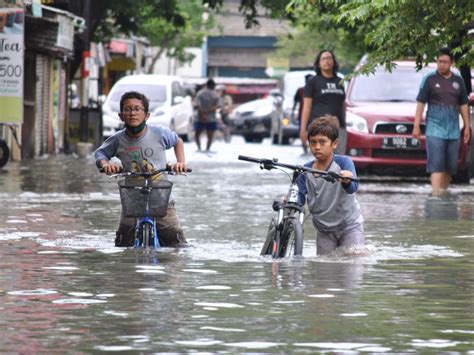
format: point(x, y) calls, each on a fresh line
point(136, 109)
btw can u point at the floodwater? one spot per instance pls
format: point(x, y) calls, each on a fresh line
point(64, 287)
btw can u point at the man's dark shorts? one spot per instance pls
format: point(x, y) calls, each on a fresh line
point(205, 126)
point(442, 155)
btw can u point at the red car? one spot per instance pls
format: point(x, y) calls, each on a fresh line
point(380, 115)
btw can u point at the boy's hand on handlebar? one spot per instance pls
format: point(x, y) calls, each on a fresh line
point(110, 168)
point(179, 168)
point(347, 174)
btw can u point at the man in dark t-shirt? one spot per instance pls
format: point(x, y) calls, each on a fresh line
point(328, 98)
point(446, 96)
point(324, 95)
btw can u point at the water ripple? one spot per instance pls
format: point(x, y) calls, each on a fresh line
point(78, 301)
point(37, 292)
point(218, 304)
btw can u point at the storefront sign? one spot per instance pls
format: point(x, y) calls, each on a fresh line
point(11, 61)
point(65, 37)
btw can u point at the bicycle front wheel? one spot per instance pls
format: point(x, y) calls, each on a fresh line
point(146, 235)
point(291, 238)
point(271, 237)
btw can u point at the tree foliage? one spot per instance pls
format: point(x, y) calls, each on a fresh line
point(173, 37)
point(169, 25)
point(416, 28)
point(386, 29)
point(315, 29)
point(124, 16)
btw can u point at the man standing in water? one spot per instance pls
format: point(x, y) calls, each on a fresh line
point(446, 96)
point(207, 103)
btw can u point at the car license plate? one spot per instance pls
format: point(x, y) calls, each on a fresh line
point(400, 142)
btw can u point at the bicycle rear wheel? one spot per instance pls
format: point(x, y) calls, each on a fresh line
point(291, 238)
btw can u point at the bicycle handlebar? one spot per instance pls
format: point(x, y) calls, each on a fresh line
point(269, 164)
point(147, 174)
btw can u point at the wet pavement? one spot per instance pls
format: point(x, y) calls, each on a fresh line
point(64, 287)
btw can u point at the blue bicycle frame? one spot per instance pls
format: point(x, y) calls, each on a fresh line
point(141, 222)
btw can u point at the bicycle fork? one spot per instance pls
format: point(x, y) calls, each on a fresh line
point(139, 226)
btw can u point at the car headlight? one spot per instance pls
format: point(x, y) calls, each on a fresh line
point(356, 123)
point(263, 111)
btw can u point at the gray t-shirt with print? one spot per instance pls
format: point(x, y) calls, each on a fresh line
point(146, 153)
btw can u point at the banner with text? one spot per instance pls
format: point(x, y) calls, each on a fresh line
point(12, 19)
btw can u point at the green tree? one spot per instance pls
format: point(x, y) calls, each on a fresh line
point(316, 28)
point(173, 37)
point(387, 29)
point(168, 24)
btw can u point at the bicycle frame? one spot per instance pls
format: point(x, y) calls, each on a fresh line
point(288, 210)
point(292, 201)
point(146, 220)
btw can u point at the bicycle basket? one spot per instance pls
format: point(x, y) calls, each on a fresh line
point(135, 198)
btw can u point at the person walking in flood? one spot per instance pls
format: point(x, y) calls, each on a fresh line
point(334, 208)
point(446, 96)
point(207, 103)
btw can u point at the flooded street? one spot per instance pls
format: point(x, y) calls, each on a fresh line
point(64, 287)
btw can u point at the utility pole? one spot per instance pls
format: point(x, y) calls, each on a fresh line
point(84, 121)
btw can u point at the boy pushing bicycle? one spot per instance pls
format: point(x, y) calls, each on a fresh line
point(142, 148)
point(335, 211)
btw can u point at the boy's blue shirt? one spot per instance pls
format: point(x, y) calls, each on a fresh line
point(344, 162)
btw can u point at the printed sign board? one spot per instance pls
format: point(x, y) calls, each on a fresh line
point(12, 19)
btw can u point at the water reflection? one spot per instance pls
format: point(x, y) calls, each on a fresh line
point(321, 274)
point(443, 207)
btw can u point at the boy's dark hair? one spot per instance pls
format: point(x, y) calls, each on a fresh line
point(134, 95)
point(317, 68)
point(211, 84)
point(446, 51)
point(327, 126)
